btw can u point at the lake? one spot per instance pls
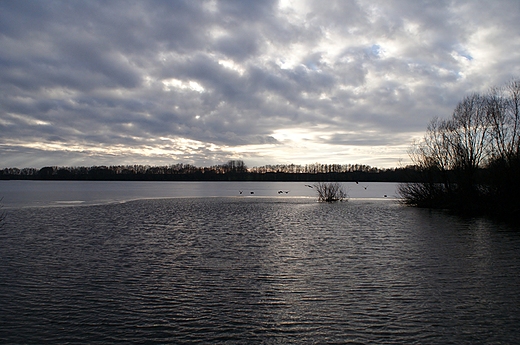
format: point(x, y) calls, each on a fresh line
point(177, 262)
point(67, 193)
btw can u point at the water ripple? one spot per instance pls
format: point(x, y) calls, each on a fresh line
point(255, 271)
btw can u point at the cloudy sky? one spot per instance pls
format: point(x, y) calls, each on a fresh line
point(270, 82)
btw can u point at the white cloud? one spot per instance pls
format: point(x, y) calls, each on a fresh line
point(172, 83)
point(272, 81)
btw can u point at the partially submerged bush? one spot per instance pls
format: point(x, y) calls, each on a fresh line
point(330, 191)
point(423, 194)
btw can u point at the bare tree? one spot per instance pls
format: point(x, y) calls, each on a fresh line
point(503, 115)
point(504, 165)
point(469, 139)
point(471, 161)
point(450, 155)
point(433, 156)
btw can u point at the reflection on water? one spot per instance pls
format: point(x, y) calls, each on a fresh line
point(63, 193)
point(256, 270)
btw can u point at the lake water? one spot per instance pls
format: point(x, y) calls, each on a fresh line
point(173, 262)
point(67, 193)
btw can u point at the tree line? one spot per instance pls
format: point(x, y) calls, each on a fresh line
point(233, 170)
point(470, 162)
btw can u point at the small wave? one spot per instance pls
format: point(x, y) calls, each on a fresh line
point(71, 202)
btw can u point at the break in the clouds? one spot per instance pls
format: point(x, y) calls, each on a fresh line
point(201, 82)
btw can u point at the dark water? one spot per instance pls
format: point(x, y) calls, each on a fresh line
point(256, 270)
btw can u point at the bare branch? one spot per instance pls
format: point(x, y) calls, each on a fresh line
point(330, 191)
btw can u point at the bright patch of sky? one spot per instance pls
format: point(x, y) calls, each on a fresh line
point(170, 84)
point(202, 82)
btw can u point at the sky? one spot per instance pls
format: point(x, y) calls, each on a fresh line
point(86, 83)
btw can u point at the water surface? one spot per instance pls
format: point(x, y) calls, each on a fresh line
point(255, 270)
point(65, 193)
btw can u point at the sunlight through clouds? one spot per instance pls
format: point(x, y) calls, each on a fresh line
point(268, 82)
point(232, 66)
point(170, 84)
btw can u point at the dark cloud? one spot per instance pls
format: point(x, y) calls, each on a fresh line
point(158, 82)
point(238, 46)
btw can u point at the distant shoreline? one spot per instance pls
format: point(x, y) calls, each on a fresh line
point(267, 177)
point(232, 171)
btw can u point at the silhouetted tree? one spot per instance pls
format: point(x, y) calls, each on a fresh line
point(235, 166)
point(46, 172)
point(470, 161)
point(504, 164)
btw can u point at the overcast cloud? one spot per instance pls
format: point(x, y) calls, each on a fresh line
point(201, 82)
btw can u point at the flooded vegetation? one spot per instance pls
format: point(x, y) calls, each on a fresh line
point(330, 191)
